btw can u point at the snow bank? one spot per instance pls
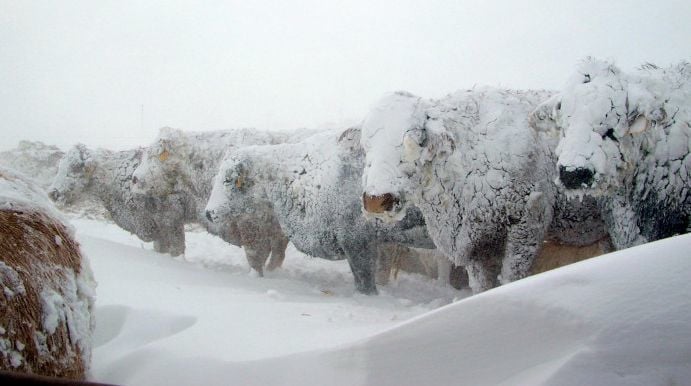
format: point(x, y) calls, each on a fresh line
point(619, 319)
point(160, 317)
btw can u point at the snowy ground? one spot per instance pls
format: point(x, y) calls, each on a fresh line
point(622, 319)
point(153, 310)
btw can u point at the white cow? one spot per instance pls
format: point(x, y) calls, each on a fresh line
point(184, 164)
point(480, 175)
point(625, 139)
point(106, 175)
point(313, 187)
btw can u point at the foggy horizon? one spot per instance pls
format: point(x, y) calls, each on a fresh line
point(81, 71)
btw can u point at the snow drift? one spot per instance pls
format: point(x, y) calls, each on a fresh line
point(618, 319)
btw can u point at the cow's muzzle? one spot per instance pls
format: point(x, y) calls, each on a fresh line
point(55, 195)
point(379, 203)
point(576, 178)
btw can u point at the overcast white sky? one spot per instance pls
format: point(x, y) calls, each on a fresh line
point(80, 71)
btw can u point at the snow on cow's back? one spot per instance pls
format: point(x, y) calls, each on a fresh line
point(34, 159)
point(494, 120)
point(318, 153)
point(18, 193)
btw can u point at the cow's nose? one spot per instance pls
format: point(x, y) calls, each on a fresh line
point(575, 178)
point(54, 195)
point(209, 216)
point(379, 203)
point(135, 179)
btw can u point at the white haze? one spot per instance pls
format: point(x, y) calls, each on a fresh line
point(81, 71)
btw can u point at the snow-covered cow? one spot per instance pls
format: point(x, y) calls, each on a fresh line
point(33, 159)
point(480, 175)
point(47, 297)
point(107, 175)
point(625, 139)
point(313, 187)
point(185, 163)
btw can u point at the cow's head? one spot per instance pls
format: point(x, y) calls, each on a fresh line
point(599, 115)
point(398, 138)
point(160, 168)
point(75, 174)
point(232, 193)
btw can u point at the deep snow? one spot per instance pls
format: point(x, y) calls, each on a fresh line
point(154, 311)
point(621, 318)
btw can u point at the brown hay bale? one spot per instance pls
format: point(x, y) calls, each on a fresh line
point(46, 287)
point(555, 255)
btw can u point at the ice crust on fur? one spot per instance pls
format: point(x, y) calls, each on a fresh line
point(480, 175)
point(632, 130)
point(314, 188)
point(107, 176)
point(183, 164)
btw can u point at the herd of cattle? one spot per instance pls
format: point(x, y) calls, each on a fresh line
point(487, 176)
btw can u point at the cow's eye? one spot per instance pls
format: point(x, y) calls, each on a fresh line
point(228, 181)
point(76, 168)
point(586, 78)
point(610, 134)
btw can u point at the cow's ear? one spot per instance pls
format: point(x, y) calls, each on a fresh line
point(641, 122)
point(164, 146)
point(413, 142)
point(638, 125)
point(544, 117)
point(242, 179)
point(89, 164)
point(444, 143)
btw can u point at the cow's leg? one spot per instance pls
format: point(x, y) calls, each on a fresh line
point(443, 269)
point(256, 254)
point(524, 239)
point(622, 223)
point(176, 240)
point(481, 275)
point(384, 265)
point(161, 245)
point(458, 277)
point(279, 243)
point(362, 258)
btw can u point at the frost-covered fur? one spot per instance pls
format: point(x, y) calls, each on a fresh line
point(626, 139)
point(479, 174)
point(185, 163)
point(107, 176)
point(313, 187)
point(35, 160)
point(47, 288)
